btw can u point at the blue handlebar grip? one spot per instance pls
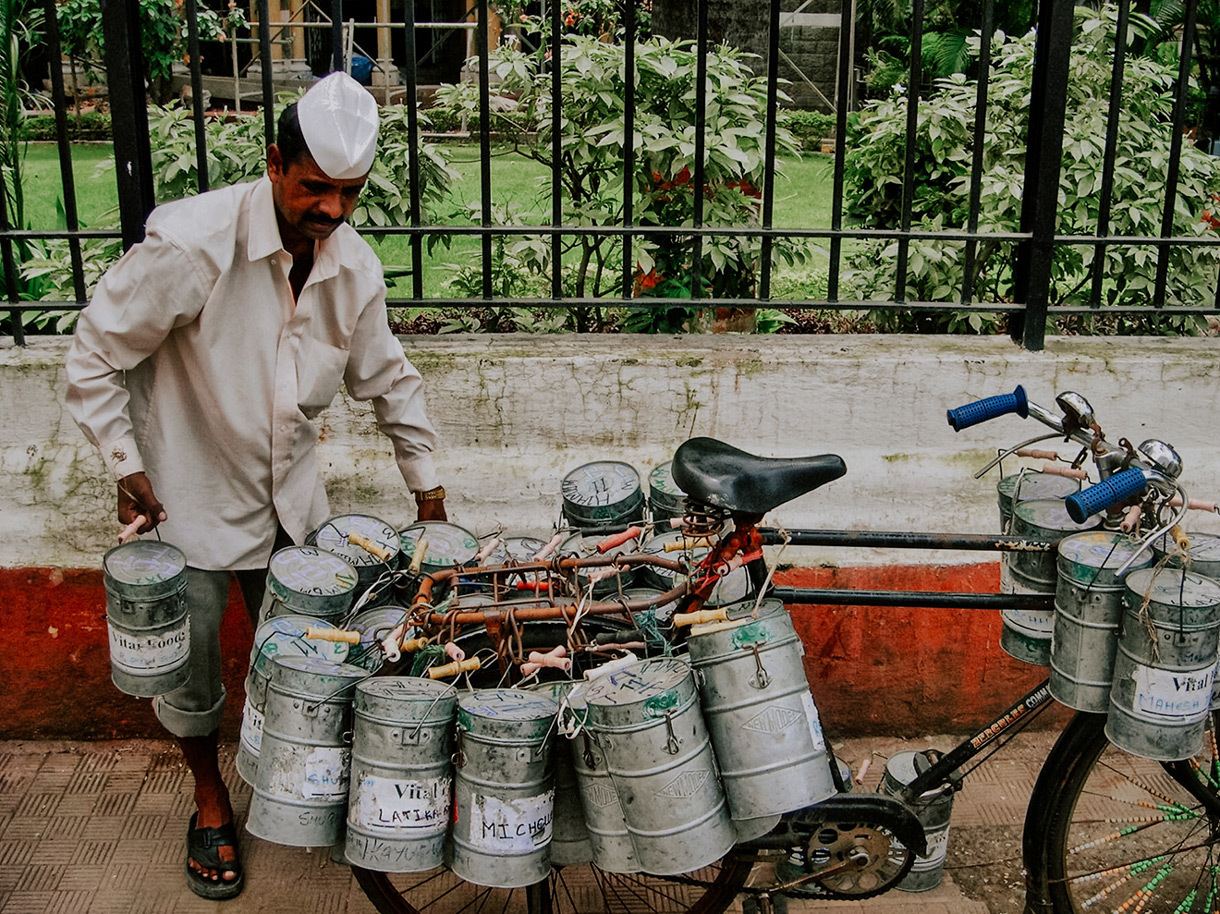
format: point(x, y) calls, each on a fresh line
point(982, 410)
point(1109, 492)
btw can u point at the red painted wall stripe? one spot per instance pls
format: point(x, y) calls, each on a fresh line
point(874, 670)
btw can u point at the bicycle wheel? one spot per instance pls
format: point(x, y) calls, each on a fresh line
point(569, 890)
point(1107, 831)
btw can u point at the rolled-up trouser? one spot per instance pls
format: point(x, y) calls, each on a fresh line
point(195, 707)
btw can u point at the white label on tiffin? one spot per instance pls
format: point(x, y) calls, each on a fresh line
point(252, 727)
point(1184, 696)
point(157, 653)
point(325, 774)
point(815, 723)
point(388, 804)
point(938, 850)
point(522, 824)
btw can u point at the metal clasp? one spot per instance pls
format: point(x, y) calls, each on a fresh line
point(672, 743)
point(762, 678)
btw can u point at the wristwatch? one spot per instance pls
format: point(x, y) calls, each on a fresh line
point(437, 494)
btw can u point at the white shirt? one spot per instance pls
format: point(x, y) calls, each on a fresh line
point(193, 363)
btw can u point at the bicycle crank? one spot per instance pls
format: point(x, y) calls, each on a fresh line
point(845, 847)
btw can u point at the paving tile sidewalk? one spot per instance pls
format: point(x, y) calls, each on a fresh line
point(98, 828)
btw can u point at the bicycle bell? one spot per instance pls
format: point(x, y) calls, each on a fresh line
point(1077, 412)
point(1162, 457)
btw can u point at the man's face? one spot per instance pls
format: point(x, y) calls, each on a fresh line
point(311, 204)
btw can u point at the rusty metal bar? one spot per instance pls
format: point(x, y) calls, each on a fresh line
point(981, 542)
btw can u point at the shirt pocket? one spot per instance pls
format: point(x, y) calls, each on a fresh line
point(319, 370)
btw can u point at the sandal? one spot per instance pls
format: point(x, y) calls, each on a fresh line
point(201, 844)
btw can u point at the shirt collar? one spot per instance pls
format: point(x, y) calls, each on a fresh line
point(265, 238)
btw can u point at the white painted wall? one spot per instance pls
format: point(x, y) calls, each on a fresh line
point(516, 412)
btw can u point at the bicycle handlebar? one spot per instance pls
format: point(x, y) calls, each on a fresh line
point(989, 408)
point(1106, 494)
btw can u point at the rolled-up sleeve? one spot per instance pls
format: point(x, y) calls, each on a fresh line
point(151, 290)
point(378, 370)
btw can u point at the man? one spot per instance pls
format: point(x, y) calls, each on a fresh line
point(198, 367)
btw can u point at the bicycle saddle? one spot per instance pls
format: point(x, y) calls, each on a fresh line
point(718, 474)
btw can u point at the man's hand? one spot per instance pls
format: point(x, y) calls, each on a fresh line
point(137, 499)
point(431, 510)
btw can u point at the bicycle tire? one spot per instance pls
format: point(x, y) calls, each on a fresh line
point(569, 890)
point(1108, 831)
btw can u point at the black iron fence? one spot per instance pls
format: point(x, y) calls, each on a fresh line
point(1037, 246)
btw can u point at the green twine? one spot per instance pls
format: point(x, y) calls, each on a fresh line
point(427, 657)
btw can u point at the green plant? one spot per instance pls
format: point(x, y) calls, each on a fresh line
point(808, 128)
point(943, 153)
point(592, 122)
point(92, 125)
point(163, 33)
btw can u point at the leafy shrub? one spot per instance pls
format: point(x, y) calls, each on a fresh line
point(943, 154)
point(593, 143)
point(808, 128)
point(91, 125)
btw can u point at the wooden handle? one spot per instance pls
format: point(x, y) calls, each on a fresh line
point(411, 645)
point(1070, 472)
point(618, 539)
point(128, 532)
point(338, 635)
point(1179, 537)
point(1131, 518)
point(417, 560)
point(372, 548)
point(454, 669)
point(1036, 454)
point(482, 554)
point(684, 544)
point(549, 549)
point(699, 618)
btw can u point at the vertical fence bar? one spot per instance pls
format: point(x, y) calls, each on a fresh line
point(555, 45)
point(908, 159)
point(976, 162)
point(128, 116)
point(1106, 198)
point(485, 143)
point(264, 52)
point(628, 144)
point(336, 35)
point(768, 188)
point(1175, 153)
point(696, 273)
point(846, 27)
point(196, 67)
point(411, 100)
point(1039, 204)
point(66, 175)
point(9, 262)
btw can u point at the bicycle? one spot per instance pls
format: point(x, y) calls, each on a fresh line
point(1090, 817)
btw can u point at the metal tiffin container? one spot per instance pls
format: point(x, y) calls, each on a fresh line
point(369, 544)
point(401, 791)
point(300, 792)
point(1165, 667)
point(604, 580)
point(1030, 484)
point(570, 843)
point(605, 493)
point(308, 581)
point(373, 625)
point(762, 718)
point(609, 839)
point(504, 788)
point(146, 618)
point(1027, 633)
point(1088, 611)
point(647, 721)
point(933, 810)
point(1202, 557)
point(445, 546)
point(279, 636)
point(665, 499)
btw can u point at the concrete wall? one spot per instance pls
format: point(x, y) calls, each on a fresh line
point(517, 412)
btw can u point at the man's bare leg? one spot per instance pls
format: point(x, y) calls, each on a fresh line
point(211, 794)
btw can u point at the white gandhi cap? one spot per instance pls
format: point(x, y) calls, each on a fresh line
point(339, 122)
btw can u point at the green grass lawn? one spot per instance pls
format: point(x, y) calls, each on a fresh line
point(803, 197)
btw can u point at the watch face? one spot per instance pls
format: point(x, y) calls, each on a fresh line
point(601, 484)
